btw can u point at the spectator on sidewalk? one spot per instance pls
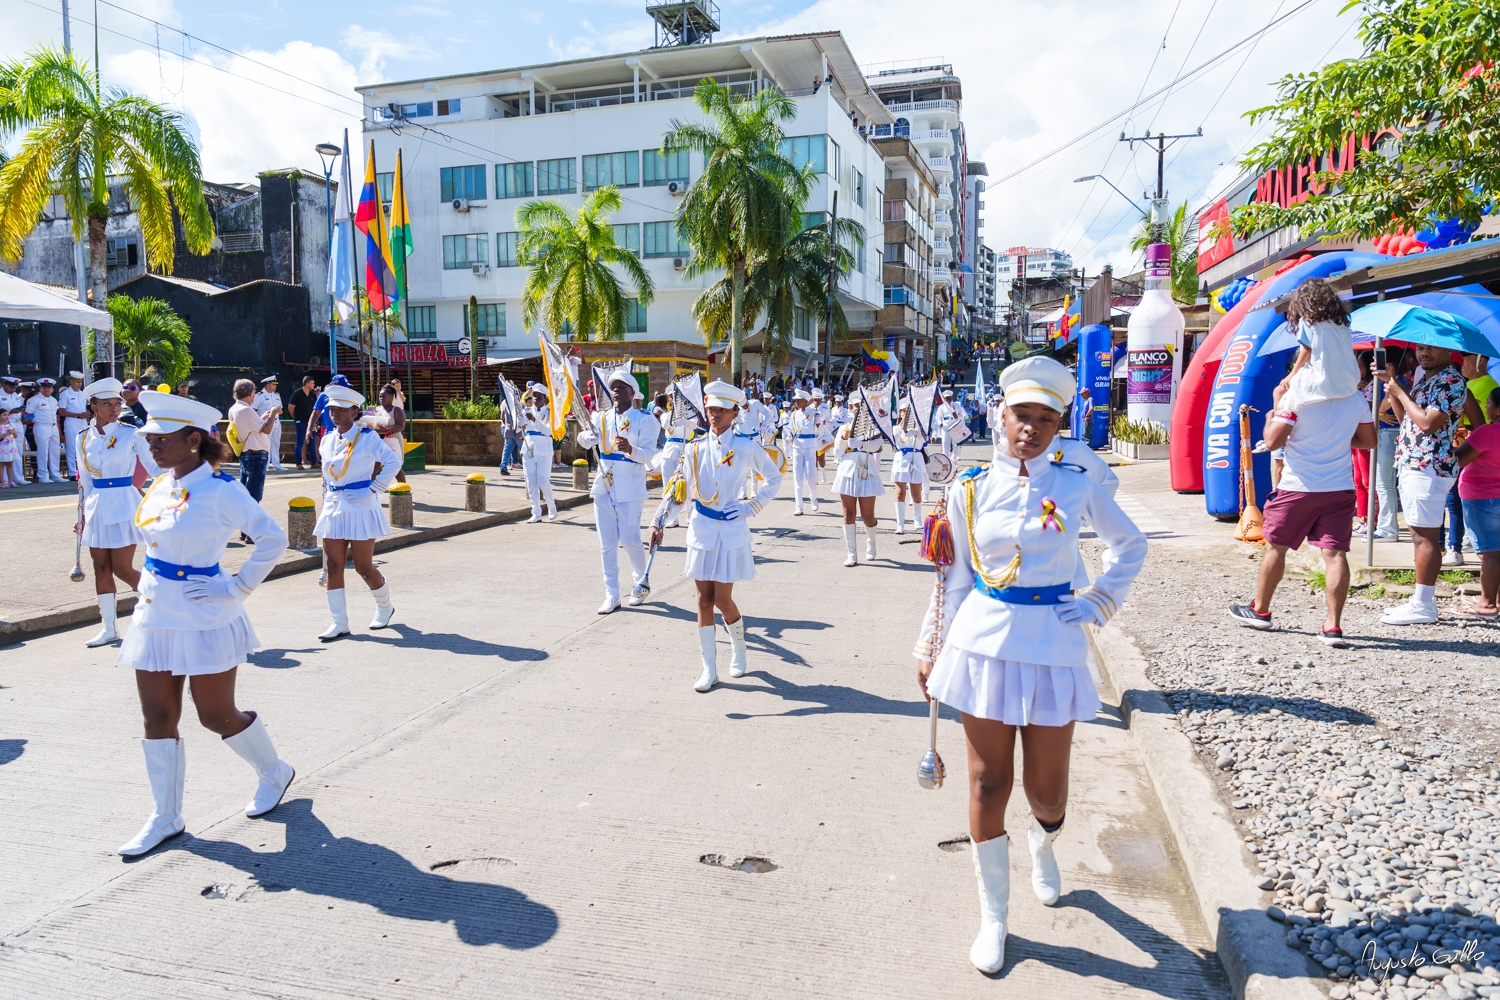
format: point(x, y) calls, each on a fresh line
point(1426, 468)
point(253, 431)
point(134, 413)
point(1479, 488)
point(511, 452)
point(1314, 500)
point(1383, 471)
point(300, 407)
point(1480, 385)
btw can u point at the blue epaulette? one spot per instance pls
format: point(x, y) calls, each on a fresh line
point(974, 472)
point(226, 477)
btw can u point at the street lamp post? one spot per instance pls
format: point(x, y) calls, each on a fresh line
point(330, 154)
point(1122, 194)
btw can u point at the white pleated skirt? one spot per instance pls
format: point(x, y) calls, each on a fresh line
point(185, 653)
point(722, 564)
point(849, 483)
point(111, 536)
point(1012, 692)
point(353, 525)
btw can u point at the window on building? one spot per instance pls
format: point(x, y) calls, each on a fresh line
point(810, 151)
point(450, 107)
point(491, 317)
point(880, 196)
point(421, 322)
point(462, 182)
point(505, 250)
point(835, 158)
point(628, 236)
point(811, 220)
point(658, 168)
point(121, 252)
point(897, 210)
point(660, 239)
point(635, 316)
point(463, 251)
point(392, 111)
point(513, 180)
point(803, 327)
point(385, 184)
point(554, 176)
point(619, 169)
point(857, 186)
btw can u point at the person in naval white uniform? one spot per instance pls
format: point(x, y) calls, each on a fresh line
point(1002, 640)
point(946, 411)
point(908, 468)
point(107, 452)
point(626, 438)
point(41, 414)
point(858, 484)
point(719, 552)
point(189, 626)
point(266, 400)
point(802, 431)
point(536, 455)
point(73, 408)
point(12, 400)
point(356, 463)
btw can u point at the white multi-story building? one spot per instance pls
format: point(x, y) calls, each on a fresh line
point(1039, 263)
point(476, 146)
point(984, 283)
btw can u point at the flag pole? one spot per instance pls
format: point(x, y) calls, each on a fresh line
point(359, 319)
point(405, 284)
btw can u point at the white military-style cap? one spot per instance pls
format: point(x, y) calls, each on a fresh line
point(77, 375)
point(801, 394)
point(623, 377)
point(269, 378)
point(1038, 380)
point(105, 388)
point(817, 394)
point(723, 395)
point(342, 395)
point(168, 413)
point(947, 393)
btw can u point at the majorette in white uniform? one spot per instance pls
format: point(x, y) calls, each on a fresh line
point(1004, 626)
point(191, 618)
point(908, 466)
point(110, 498)
point(74, 401)
point(619, 491)
point(355, 465)
point(41, 414)
point(803, 432)
point(265, 401)
point(536, 460)
point(858, 476)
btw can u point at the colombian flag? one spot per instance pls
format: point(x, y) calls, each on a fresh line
point(369, 218)
point(875, 361)
point(401, 245)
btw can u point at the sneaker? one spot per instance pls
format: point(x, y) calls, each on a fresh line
point(1360, 532)
point(1332, 637)
point(1246, 615)
point(1453, 557)
point(1410, 613)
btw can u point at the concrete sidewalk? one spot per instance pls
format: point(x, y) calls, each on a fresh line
point(510, 795)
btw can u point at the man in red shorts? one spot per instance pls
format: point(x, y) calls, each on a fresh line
point(1314, 502)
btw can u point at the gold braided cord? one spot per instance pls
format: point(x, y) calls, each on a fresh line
point(1013, 568)
point(83, 451)
point(697, 479)
point(154, 487)
point(348, 458)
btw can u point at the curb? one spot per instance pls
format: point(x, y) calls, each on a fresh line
point(1250, 945)
point(296, 561)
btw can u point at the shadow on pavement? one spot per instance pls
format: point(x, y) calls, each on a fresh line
point(450, 642)
point(315, 861)
point(11, 749)
point(825, 699)
point(1259, 704)
point(277, 659)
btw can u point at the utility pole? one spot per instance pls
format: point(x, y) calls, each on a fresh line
point(1158, 204)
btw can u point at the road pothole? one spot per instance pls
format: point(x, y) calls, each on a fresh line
point(470, 863)
point(752, 866)
point(219, 890)
point(955, 845)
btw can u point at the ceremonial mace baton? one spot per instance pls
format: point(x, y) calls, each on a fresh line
point(930, 772)
point(76, 573)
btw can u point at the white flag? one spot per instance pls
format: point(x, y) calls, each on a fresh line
point(341, 254)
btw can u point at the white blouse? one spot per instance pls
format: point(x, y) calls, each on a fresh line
point(187, 523)
point(800, 423)
point(622, 477)
point(536, 430)
point(1012, 519)
point(352, 458)
point(715, 468)
point(111, 454)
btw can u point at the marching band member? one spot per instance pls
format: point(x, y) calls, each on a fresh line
point(536, 454)
point(719, 553)
point(908, 468)
point(190, 624)
point(73, 408)
point(679, 433)
point(107, 451)
point(858, 483)
point(355, 464)
point(823, 417)
point(1002, 640)
point(802, 435)
point(839, 415)
point(946, 412)
point(626, 437)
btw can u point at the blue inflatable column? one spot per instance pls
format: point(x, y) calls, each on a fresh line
point(1095, 352)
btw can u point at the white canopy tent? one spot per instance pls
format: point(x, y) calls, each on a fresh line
point(20, 299)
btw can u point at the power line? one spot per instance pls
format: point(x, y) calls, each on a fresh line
point(1186, 56)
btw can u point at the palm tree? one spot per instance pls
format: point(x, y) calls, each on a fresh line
point(1184, 252)
point(571, 283)
point(748, 200)
point(75, 136)
point(149, 330)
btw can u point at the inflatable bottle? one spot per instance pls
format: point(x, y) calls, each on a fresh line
point(1154, 343)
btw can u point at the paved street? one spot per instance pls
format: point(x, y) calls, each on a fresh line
point(508, 793)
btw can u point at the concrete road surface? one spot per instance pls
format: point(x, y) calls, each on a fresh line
point(508, 795)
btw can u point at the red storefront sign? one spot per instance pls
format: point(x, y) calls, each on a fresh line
point(430, 355)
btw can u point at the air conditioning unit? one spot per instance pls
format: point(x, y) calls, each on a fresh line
point(677, 187)
point(680, 263)
point(460, 204)
point(480, 270)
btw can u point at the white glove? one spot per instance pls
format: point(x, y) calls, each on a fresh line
point(734, 510)
point(1072, 611)
point(214, 589)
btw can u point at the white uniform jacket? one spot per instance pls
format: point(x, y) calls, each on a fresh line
point(1069, 451)
point(908, 465)
point(348, 461)
point(536, 432)
point(187, 523)
point(803, 431)
point(75, 401)
point(1008, 521)
point(41, 414)
point(109, 457)
point(622, 477)
point(265, 402)
point(715, 468)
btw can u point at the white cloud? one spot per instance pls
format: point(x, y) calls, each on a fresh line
point(376, 46)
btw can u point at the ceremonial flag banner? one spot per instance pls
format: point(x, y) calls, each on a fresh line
point(340, 254)
point(369, 218)
point(924, 405)
point(401, 244)
point(881, 400)
point(563, 396)
point(511, 393)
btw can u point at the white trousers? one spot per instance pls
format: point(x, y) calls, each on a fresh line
point(275, 438)
point(949, 445)
point(18, 465)
point(48, 454)
point(538, 471)
point(619, 524)
point(71, 429)
point(804, 474)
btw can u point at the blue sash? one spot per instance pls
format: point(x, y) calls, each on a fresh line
point(616, 457)
point(1024, 595)
point(717, 515)
point(907, 451)
point(676, 440)
point(172, 571)
point(538, 434)
point(362, 484)
point(114, 484)
point(807, 436)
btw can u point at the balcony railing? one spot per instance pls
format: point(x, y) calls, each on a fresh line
point(933, 135)
point(939, 164)
point(910, 106)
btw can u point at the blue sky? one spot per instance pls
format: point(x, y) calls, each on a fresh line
point(1036, 74)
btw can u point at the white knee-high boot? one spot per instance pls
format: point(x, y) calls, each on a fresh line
point(869, 542)
point(914, 515)
point(900, 518)
point(992, 871)
point(1046, 880)
point(254, 744)
point(108, 633)
point(384, 609)
point(166, 768)
point(737, 652)
point(852, 560)
point(708, 646)
point(340, 610)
